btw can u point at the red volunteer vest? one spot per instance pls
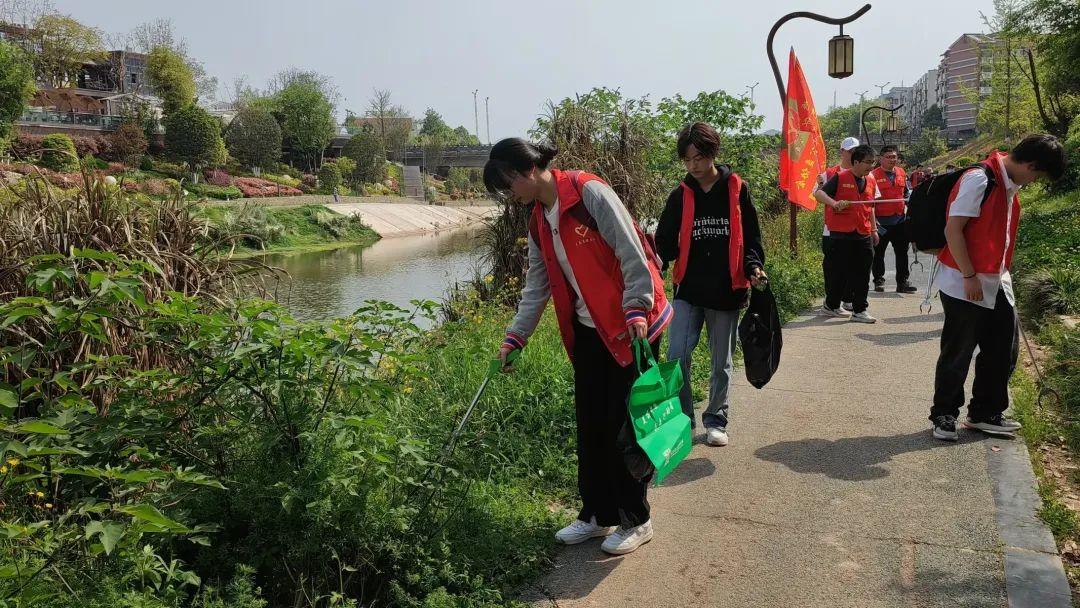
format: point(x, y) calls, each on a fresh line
point(985, 235)
point(889, 190)
point(832, 171)
point(735, 239)
point(597, 271)
point(857, 217)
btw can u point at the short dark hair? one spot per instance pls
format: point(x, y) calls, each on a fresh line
point(918, 166)
point(514, 156)
point(889, 148)
point(703, 136)
point(861, 153)
point(1045, 151)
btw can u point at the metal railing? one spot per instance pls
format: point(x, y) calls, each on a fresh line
point(103, 122)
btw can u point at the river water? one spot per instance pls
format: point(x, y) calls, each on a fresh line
point(331, 284)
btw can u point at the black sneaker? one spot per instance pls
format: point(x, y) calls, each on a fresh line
point(945, 428)
point(906, 287)
point(995, 425)
point(879, 284)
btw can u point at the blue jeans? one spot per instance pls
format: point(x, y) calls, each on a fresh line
point(683, 336)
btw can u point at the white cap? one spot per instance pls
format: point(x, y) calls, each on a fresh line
point(849, 143)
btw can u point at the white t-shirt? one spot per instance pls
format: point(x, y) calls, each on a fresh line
point(968, 203)
point(552, 217)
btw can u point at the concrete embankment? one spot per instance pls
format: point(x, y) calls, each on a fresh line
point(401, 219)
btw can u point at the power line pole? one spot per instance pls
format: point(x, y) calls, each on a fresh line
point(476, 113)
point(752, 87)
point(487, 118)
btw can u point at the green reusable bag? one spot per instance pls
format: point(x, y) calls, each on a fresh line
point(661, 428)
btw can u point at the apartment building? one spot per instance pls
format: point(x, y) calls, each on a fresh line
point(963, 77)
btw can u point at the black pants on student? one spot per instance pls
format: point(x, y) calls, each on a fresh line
point(996, 333)
point(897, 235)
point(847, 293)
point(847, 270)
point(608, 491)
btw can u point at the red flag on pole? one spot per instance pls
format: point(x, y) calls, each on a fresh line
point(802, 158)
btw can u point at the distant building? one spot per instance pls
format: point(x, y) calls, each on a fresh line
point(963, 78)
point(923, 96)
point(102, 91)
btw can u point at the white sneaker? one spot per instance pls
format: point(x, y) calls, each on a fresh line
point(716, 436)
point(834, 312)
point(847, 306)
point(863, 317)
point(626, 540)
point(581, 531)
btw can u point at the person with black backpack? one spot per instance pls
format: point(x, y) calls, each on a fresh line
point(709, 228)
point(590, 258)
point(983, 214)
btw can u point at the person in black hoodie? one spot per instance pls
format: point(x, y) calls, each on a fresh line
point(709, 228)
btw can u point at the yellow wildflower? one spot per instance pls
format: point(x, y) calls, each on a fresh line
point(489, 278)
point(408, 389)
point(3, 470)
point(13, 462)
point(48, 505)
point(39, 494)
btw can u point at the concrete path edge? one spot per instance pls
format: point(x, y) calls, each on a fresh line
point(1034, 574)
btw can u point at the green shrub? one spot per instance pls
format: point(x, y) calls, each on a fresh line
point(1050, 291)
point(1071, 179)
point(964, 161)
point(146, 163)
point(284, 180)
point(58, 153)
point(94, 163)
point(172, 170)
point(216, 192)
point(329, 178)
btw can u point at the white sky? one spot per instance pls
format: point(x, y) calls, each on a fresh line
point(520, 54)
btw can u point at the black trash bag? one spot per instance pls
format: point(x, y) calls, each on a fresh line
point(759, 332)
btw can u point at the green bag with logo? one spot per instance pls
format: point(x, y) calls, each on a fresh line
point(661, 428)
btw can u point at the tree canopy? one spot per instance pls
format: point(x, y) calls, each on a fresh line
point(254, 137)
point(193, 136)
point(16, 86)
point(171, 78)
point(65, 45)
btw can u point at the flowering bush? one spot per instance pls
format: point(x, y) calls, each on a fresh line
point(217, 177)
point(153, 187)
point(254, 187)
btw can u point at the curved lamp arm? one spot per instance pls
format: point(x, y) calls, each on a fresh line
point(807, 15)
point(862, 120)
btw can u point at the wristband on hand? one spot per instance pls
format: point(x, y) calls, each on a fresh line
point(970, 276)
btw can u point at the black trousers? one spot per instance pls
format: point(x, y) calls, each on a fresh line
point(847, 271)
point(847, 294)
point(608, 491)
point(897, 235)
point(996, 333)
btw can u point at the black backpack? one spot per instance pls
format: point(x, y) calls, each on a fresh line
point(928, 207)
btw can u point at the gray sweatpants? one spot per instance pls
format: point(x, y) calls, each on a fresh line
point(683, 336)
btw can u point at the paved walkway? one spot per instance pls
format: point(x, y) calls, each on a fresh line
point(833, 493)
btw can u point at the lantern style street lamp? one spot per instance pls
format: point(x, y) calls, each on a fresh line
point(892, 122)
point(841, 65)
point(841, 55)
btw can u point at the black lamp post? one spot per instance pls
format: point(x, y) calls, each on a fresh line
point(841, 65)
point(892, 122)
